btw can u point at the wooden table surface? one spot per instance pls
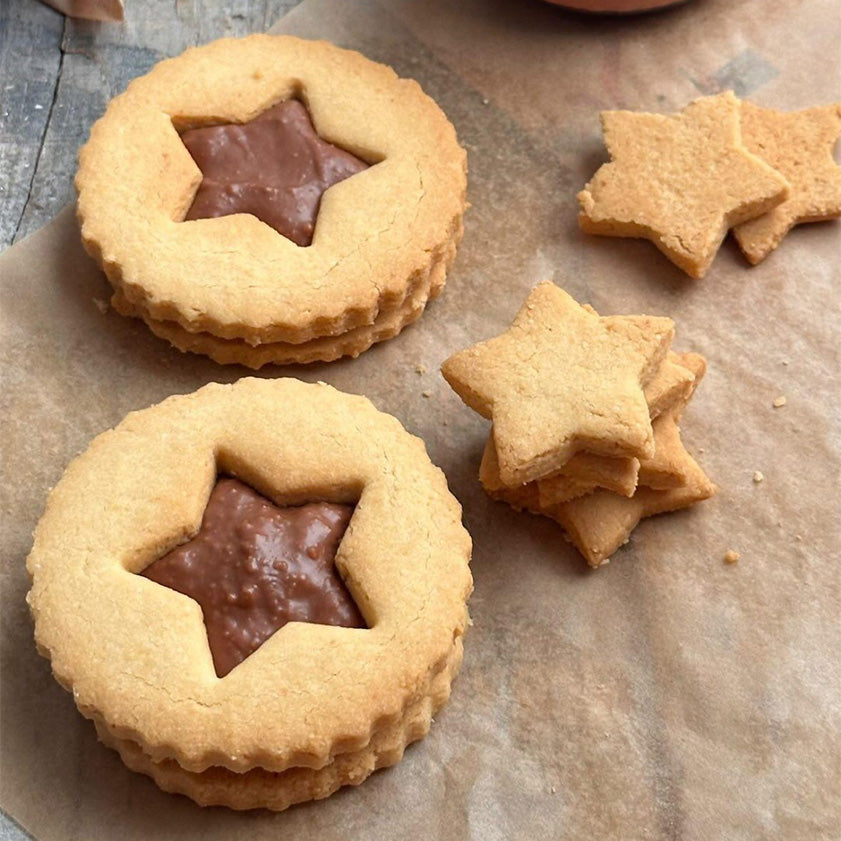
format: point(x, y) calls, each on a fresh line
point(57, 75)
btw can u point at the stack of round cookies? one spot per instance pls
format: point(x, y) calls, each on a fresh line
point(384, 221)
point(315, 705)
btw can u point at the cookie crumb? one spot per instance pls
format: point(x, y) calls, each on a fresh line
point(758, 477)
point(785, 362)
point(486, 102)
point(779, 402)
point(420, 368)
point(731, 557)
point(426, 394)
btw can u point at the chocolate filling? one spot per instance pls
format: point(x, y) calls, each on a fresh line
point(253, 567)
point(275, 167)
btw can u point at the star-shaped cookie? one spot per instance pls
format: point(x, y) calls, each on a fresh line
point(800, 146)
point(673, 384)
point(599, 523)
point(253, 567)
point(274, 167)
point(681, 181)
point(561, 379)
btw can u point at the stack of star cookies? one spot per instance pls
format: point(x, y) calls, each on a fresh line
point(585, 414)
point(684, 180)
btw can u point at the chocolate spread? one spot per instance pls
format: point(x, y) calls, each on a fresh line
point(253, 567)
point(275, 167)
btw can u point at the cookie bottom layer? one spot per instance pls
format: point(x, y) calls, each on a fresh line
point(387, 324)
point(258, 788)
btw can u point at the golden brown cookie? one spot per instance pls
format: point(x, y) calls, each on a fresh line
point(560, 380)
point(257, 788)
point(673, 384)
point(525, 497)
point(600, 501)
point(388, 323)
point(800, 146)
point(680, 181)
point(312, 697)
point(380, 234)
point(667, 467)
point(599, 523)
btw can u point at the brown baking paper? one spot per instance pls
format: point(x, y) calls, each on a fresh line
point(665, 696)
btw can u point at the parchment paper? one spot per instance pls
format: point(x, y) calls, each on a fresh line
point(666, 696)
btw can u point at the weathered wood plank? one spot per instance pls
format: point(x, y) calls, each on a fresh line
point(95, 61)
point(30, 58)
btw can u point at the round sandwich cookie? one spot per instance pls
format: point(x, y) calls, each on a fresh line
point(257, 591)
point(260, 196)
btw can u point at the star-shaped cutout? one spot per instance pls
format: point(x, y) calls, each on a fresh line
point(560, 380)
point(800, 146)
point(254, 566)
point(274, 167)
point(681, 181)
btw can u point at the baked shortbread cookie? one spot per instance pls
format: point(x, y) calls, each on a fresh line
point(667, 393)
point(524, 497)
point(301, 710)
point(673, 383)
point(599, 523)
point(800, 146)
point(388, 323)
point(667, 467)
point(386, 228)
point(680, 180)
point(561, 380)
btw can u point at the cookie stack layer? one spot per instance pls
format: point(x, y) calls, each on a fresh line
point(314, 706)
point(232, 287)
point(683, 180)
point(585, 411)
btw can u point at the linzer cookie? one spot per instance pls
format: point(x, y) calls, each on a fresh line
point(560, 372)
point(279, 200)
point(257, 592)
point(681, 181)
